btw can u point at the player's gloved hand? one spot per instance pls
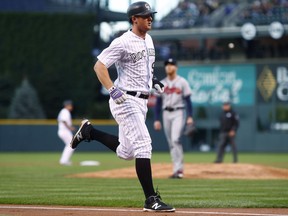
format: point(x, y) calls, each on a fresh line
point(117, 95)
point(157, 85)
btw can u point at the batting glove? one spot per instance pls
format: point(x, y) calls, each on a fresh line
point(117, 95)
point(158, 85)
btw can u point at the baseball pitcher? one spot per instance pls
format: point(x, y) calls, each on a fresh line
point(176, 107)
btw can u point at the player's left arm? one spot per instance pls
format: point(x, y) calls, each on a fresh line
point(156, 84)
point(189, 110)
point(187, 97)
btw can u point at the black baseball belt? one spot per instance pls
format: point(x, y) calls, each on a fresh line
point(137, 94)
point(171, 109)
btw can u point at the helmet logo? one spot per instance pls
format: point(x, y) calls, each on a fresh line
point(147, 6)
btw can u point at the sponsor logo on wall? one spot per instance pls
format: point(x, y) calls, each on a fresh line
point(266, 83)
point(211, 85)
point(273, 79)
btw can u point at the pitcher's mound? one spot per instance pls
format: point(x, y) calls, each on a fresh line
point(199, 171)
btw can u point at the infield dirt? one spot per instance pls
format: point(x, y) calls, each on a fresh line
point(16, 210)
point(199, 171)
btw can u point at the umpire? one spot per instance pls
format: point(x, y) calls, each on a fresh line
point(229, 123)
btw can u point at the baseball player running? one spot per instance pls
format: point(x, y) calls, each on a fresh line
point(133, 54)
point(65, 130)
point(172, 102)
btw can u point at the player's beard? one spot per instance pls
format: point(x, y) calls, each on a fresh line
point(146, 27)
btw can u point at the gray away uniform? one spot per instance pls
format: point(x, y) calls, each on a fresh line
point(172, 102)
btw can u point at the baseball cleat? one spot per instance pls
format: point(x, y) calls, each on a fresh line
point(177, 175)
point(82, 134)
point(154, 204)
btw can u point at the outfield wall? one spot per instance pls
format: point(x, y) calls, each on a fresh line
point(41, 135)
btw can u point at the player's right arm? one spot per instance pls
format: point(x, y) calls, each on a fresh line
point(103, 75)
point(106, 58)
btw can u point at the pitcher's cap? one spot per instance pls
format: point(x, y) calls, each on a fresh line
point(170, 61)
point(226, 102)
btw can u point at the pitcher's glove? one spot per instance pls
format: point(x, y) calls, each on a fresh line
point(117, 95)
point(190, 130)
point(157, 85)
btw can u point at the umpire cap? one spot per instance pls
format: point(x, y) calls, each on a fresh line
point(139, 8)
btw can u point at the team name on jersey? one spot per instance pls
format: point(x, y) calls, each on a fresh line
point(172, 90)
point(142, 54)
point(151, 52)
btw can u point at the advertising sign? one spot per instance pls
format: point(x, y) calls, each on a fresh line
point(272, 79)
point(215, 84)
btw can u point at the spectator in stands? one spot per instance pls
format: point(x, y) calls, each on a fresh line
point(188, 13)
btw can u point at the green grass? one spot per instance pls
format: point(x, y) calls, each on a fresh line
point(36, 178)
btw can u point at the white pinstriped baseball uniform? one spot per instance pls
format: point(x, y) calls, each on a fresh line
point(134, 59)
point(173, 97)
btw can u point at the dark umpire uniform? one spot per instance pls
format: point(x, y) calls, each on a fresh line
point(229, 123)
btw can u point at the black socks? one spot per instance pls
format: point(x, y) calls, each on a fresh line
point(144, 173)
point(142, 165)
point(108, 140)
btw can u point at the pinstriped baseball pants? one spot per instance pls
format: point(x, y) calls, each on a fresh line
point(134, 137)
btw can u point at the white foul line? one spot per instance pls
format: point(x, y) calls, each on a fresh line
point(133, 210)
point(230, 213)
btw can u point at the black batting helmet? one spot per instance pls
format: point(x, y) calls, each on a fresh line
point(139, 8)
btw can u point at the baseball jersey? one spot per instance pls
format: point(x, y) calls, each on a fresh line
point(174, 92)
point(134, 59)
point(64, 116)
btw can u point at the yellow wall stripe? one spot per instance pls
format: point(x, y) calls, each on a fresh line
point(76, 122)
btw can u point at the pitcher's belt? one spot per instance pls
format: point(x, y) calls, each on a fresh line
point(171, 109)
